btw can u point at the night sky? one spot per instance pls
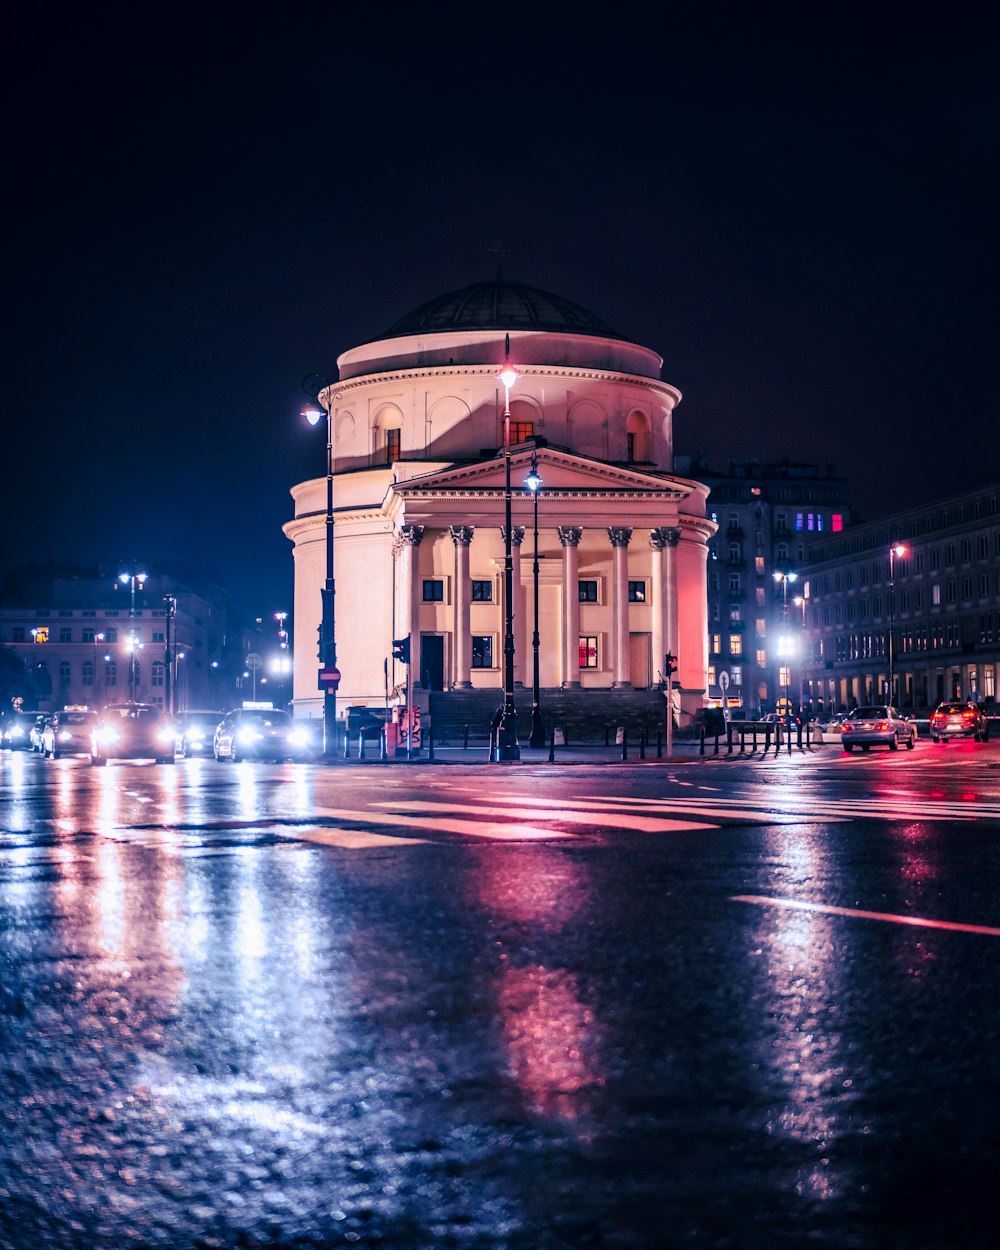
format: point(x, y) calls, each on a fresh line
point(796, 210)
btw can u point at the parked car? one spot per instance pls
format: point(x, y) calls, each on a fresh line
point(132, 731)
point(262, 733)
point(880, 725)
point(68, 732)
point(196, 731)
point(959, 720)
point(37, 729)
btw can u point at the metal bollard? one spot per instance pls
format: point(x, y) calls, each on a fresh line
point(729, 739)
point(465, 739)
point(659, 744)
point(430, 744)
point(552, 746)
point(716, 751)
point(361, 744)
point(701, 741)
point(606, 742)
point(624, 744)
point(347, 744)
point(642, 743)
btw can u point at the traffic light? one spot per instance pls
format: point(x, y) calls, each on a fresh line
point(319, 640)
point(670, 664)
point(401, 650)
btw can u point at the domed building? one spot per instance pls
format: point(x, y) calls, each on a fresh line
point(419, 504)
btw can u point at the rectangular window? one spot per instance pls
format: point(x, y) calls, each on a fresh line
point(111, 634)
point(637, 592)
point(715, 643)
point(433, 590)
point(521, 431)
point(761, 657)
point(158, 636)
point(392, 445)
point(65, 634)
point(758, 565)
point(735, 582)
point(587, 591)
point(482, 651)
point(482, 592)
point(836, 522)
point(735, 644)
point(588, 651)
point(88, 633)
point(157, 675)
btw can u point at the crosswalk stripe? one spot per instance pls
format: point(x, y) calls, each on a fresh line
point(439, 824)
point(580, 814)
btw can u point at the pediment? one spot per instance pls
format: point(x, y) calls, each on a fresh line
point(560, 471)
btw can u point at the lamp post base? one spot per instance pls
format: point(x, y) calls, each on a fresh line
point(537, 738)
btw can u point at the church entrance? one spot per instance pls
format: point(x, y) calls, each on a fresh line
point(432, 661)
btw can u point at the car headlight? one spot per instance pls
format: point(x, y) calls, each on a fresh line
point(248, 737)
point(65, 736)
point(299, 738)
point(196, 735)
point(165, 735)
point(108, 734)
point(17, 731)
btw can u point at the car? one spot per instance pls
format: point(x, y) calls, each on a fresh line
point(17, 728)
point(132, 731)
point(262, 733)
point(959, 720)
point(37, 730)
point(878, 725)
point(68, 732)
point(196, 731)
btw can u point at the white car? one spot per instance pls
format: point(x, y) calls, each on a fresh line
point(879, 725)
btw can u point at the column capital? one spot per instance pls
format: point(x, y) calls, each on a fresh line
point(620, 535)
point(516, 534)
point(461, 535)
point(664, 536)
point(407, 536)
point(570, 535)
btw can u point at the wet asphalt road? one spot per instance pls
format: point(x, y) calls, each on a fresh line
point(414, 1007)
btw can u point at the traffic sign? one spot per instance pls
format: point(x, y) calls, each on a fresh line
point(254, 660)
point(329, 677)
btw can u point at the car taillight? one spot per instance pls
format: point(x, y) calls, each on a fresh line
point(845, 728)
point(968, 716)
point(882, 724)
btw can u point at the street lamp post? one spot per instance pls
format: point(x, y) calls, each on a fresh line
point(97, 638)
point(506, 746)
point(896, 551)
point(130, 579)
point(784, 579)
point(537, 739)
point(316, 385)
point(168, 656)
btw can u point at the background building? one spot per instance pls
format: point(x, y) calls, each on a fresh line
point(417, 423)
point(79, 642)
point(907, 608)
point(768, 515)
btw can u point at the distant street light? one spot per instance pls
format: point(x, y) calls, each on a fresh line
point(133, 644)
point(784, 578)
point(896, 551)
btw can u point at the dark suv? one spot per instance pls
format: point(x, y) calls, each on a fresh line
point(959, 720)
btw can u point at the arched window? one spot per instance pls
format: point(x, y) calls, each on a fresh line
point(64, 673)
point(88, 672)
point(638, 438)
point(522, 422)
point(388, 435)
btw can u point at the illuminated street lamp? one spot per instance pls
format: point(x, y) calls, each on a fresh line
point(537, 739)
point(506, 746)
point(896, 551)
point(133, 644)
point(316, 385)
point(784, 579)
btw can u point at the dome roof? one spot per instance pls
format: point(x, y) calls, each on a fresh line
point(500, 305)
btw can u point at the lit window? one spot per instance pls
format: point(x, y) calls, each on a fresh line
point(637, 592)
point(392, 445)
point(588, 651)
point(836, 522)
point(735, 644)
point(521, 431)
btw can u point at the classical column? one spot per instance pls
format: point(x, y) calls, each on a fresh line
point(620, 536)
point(569, 536)
point(461, 536)
point(520, 621)
point(658, 604)
point(405, 545)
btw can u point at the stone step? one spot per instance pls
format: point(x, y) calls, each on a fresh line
point(583, 715)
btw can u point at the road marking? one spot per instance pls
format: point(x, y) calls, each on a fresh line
point(349, 839)
point(472, 828)
point(856, 913)
point(814, 809)
point(548, 809)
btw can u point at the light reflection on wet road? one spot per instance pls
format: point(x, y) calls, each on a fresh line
point(232, 1018)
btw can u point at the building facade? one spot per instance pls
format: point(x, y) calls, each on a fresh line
point(82, 641)
point(417, 430)
point(907, 609)
point(768, 516)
